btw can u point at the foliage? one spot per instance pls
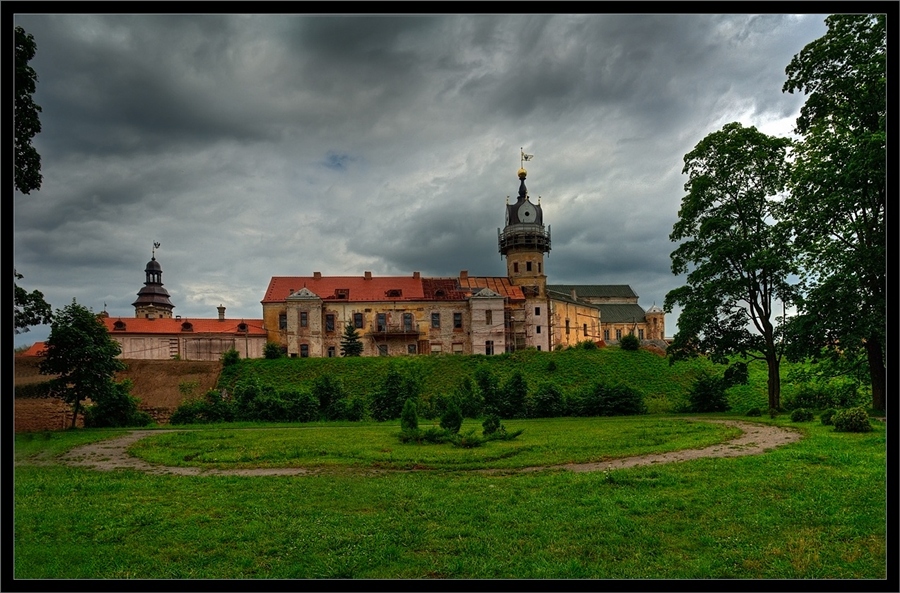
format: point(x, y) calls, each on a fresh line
point(614, 399)
point(116, 408)
point(753, 412)
point(409, 419)
point(332, 397)
point(273, 350)
point(630, 342)
point(30, 308)
point(733, 250)
point(801, 415)
point(490, 391)
point(27, 121)
point(547, 401)
point(491, 425)
point(351, 345)
point(387, 401)
point(827, 416)
point(82, 356)
point(514, 397)
point(821, 395)
point(452, 419)
point(851, 420)
point(587, 345)
point(230, 357)
point(707, 394)
point(837, 202)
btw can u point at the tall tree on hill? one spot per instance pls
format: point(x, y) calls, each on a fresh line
point(735, 254)
point(82, 356)
point(838, 191)
point(27, 123)
point(350, 342)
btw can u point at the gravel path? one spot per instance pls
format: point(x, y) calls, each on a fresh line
point(755, 439)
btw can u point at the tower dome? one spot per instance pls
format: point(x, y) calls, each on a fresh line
point(153, 300)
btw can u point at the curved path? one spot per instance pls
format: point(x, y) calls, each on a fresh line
point(755, 439)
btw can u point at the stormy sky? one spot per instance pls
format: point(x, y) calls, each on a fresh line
point(252, 146)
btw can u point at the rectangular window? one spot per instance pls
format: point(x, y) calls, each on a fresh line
point(457, 321)
point(358, 320)
point(618, 334)
point(585, 330)
point(567, 326)
point(515, 267)
point(282, 321)
point(488, 317)
point(537, 311)
point(381, 322)
point(331, 352)
point(436, 349)
point(457, 348)
point(539, 329)
point(606, 335)
point(539, 267)
point(407, 322)
point(640, 334)
point(528, 266)
point(539, 347)
point(436, 321)
point(382, 350)
point(304, 350)
point(304, 319)
point(329, 323)
point(410, 348)
point(489, 347)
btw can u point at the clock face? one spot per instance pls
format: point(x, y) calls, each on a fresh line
point(526, 213)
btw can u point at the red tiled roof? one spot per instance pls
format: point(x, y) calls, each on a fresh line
point(360, 288)
point(443, 289)
point(499, 284)
point(141, 325)
point(36, 349)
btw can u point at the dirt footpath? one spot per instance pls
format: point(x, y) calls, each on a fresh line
point(756, 438)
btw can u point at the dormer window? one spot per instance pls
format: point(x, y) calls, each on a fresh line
point(242, 327)
point(187, 326)
point(393, 293)
point(439, 293)
point(119, 325)
point(342, 293)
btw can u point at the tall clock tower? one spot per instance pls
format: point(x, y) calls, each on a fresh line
point(524, 241)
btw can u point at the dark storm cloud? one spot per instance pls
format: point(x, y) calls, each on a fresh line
point(261, 145)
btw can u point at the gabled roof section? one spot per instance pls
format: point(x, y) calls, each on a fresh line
point(443, 289)
point(140, 325)
point(624, 313)
point(499, 284)
point(595, 290)
point(359, 288)
point(566, 297)
point(36, 349)
point(486, 293)
point(303, 293)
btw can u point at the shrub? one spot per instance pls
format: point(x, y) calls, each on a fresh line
point(801, 415)
point(707, 394)
point(851, 420)
point(587, 345)
point(773, 412)
point(753, 412)
point(230, 357)
point(836, 393)
point(330, 394)
point(491, 424)
point(452, 419)
point(490, 391)
point(469, 440)
point(273, 350)
point(611, 400)
point(115, 408)
point(547, 401)
point(409, 420)
point(551, 366)
point(629, 342)
point(827, 416)
point(388, 400)
point(515, 394)
point(300, 406)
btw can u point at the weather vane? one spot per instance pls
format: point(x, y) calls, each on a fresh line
point(155, 247)
point(524, 157)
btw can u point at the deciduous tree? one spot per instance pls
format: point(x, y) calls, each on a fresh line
point(27, 122)
point(30, 308)
point(82, 355)
point(838, 191)
point(736, 256)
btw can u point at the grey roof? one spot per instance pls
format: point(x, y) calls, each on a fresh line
point(624, 313)
point(566, 297)
point(595, 290)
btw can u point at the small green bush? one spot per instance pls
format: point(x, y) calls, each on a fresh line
point(230, 357)
point(491, 424)
point(753, 412)
point(851, 420)
point(273, 350)
point(116, 408)
point(629, 342)
point(773, 412)
point(827, 416)
point(409, 420)
point(547, 401)
point(707, 394)
point(587, 345)
point(452, 418)
point(801, 415)
point(468, 440)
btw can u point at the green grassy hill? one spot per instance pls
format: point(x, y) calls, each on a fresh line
point(662, 384)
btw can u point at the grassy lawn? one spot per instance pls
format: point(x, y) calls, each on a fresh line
point(810, 510)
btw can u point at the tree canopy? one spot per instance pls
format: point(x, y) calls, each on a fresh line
point(27, 122)
point(82, 355)
point(838, 193)
point(350, 342)
point(30, 308)
point(735, 254)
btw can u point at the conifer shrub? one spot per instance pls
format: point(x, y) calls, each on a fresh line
point(467, 440)
point(827, 416)
point(515, 395)
point(452, 419)
point(490, 391)
point(230, 357)
point(851, 420)
point(491, 425)
point(409, 419)
point(629, 342)
point(801, 415)
point(547, 401)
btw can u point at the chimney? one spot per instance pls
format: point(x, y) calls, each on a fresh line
point(574, 296)
point(368, 275)
point(464, 275)
point(221, 312)
point(317, 275)
point(415, 276)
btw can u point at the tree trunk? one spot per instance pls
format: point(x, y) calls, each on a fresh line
point(75, 412)
point(877, 372)
point(774, 382)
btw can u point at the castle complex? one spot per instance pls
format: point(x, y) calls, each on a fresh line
point(406, 315)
